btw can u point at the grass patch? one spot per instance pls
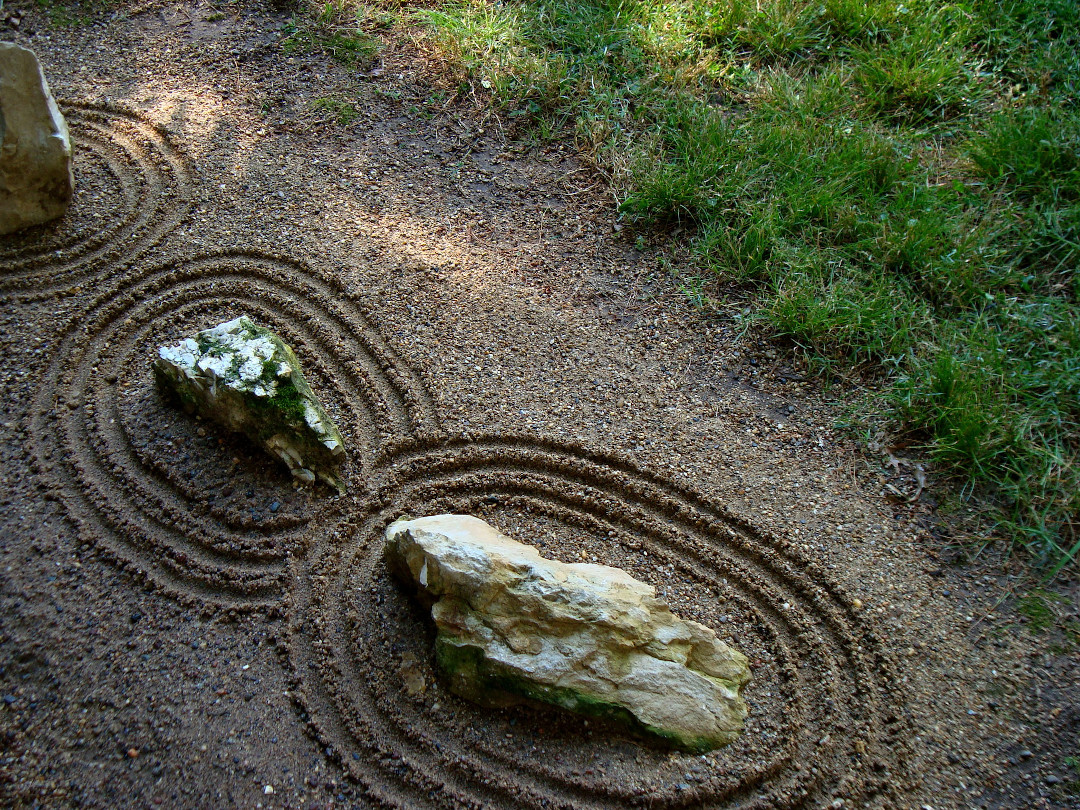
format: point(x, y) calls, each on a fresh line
point(343, 112)
point(1037, 608)
point(72, 13)
point(894, 183)
point(348, 32)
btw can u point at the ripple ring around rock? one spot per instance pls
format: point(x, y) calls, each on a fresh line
point(145, 193)
point(98, 416)
point(835, 727)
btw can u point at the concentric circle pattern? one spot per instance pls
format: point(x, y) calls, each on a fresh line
point(829, 727)
point(208, 516)
point(132, 187)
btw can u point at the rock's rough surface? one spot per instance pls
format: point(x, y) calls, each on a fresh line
point(247, 379)
point(589, 638)
point(36, 182)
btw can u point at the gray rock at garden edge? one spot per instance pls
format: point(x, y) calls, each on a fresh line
point(36, 182)
point(246, 378)
point(512, 625)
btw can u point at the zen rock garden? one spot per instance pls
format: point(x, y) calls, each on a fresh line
point(512, 626)
point(381, 431)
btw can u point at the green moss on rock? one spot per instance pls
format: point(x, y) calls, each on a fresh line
point(246, 378)
point(472, 675)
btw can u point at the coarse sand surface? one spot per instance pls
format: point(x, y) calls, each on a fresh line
point(182, 626)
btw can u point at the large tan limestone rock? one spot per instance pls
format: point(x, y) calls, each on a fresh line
point(589, 638)
point(36, 182)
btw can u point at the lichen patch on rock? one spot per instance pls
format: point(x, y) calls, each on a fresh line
point(246, 378)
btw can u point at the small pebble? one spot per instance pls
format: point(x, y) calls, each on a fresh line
point(275, 506)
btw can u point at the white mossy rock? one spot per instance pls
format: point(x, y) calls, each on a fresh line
point(589, 638)
point(246, 378)
point(36, 183)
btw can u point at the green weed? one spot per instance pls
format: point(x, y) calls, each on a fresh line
point(783, 29)
point(859, 20)
point(393, 93)
point(1038, 608)
point(347, 33)
point(922, 73)
point(71, 14)
point(1034, 151)
point(1072, 786)
point(344, 112)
